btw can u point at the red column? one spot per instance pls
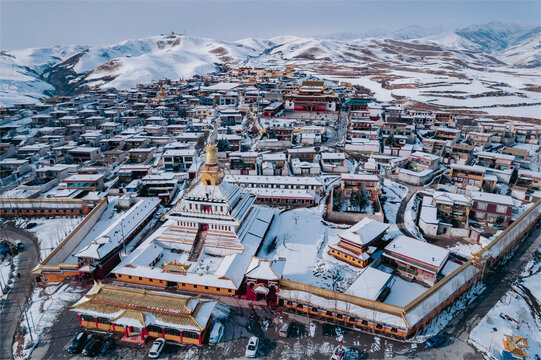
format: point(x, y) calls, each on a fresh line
point(79, 316)
point(125, 331)
point(181, 336)
point(145, 330)
point(113, 325)
point(142, 335)
point(96, 321)
point(163, 333)
point(199, 338)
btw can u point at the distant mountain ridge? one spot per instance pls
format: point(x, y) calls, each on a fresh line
point(31, 74)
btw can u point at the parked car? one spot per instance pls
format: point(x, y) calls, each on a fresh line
point(216, 333)
point(108, 345)
point(284, 329)
point(19, 244)
point(435, 341)
point(92, 347)
point(251, 348)
point(77, 343)
point(313, 328)
point(338, 353)
point(156, 348)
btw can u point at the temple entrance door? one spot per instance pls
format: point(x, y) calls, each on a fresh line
point(260, 297)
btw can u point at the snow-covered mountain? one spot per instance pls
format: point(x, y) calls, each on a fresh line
point(28, 75)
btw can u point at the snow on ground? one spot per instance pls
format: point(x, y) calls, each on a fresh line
point(302, 238)
point(465, 250)
point(8, 270)
point(439, 322)
point(517, 313)
point(43, 309)
point(50, 232)
point(410, 215)
point(392, 196)
point(403, 292)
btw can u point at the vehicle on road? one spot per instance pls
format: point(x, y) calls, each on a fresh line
point(284, 329)
point(251, 348)
point(338, 353)
point(435, 341)
point(77, 343)
point(92, 347)
point(156, 348)
point(20, 244)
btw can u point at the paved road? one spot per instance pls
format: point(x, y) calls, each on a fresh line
point(22, 288)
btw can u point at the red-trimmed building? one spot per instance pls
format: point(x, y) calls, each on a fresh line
point(262, 279)
point(138, 314)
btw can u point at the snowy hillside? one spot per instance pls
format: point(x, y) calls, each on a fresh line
point(479, 67)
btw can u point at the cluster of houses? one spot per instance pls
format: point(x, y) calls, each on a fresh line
point(214, 154)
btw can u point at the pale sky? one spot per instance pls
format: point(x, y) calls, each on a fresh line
point(44, 23)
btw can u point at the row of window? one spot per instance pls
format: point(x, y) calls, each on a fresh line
point(340, 316)
point(152, 328)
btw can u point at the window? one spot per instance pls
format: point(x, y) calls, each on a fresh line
point(129, 276)
point(481, 206)
point(173, 332)
point(153, 328)
point(140, 278)
point(104, 321)
point(502, 209)
point(206, 287)
point(190, 335)
point(87, 318)
point(229, 290)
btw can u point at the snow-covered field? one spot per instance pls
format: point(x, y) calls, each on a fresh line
point(43, 309)
point(301, 236)
point(517, 313)
point(50, 232)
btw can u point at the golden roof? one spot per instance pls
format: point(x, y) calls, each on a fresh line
point(135, 303)
point(176, 267)
point(515, 343)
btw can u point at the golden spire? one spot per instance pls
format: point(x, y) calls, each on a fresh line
point(161, 94)
point(211, 173)
point(212, 158)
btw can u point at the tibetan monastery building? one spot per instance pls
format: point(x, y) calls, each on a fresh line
point(311, 96)
point(208, 240)
point(138, 314)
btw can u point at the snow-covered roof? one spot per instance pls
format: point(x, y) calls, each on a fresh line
point(117, 232)
point(83, 177)
point(417, 250)
point(278, 180)
point(359, 177)
point(263, 269)
point(369, 284)
point(492, 198)
point(364, 231)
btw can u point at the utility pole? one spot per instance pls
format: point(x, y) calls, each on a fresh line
point(2, 283)
point(27, 323)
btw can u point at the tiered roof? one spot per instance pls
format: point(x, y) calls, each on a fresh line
point(136, 307)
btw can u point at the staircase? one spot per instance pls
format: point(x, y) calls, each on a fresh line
point(197, 245)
